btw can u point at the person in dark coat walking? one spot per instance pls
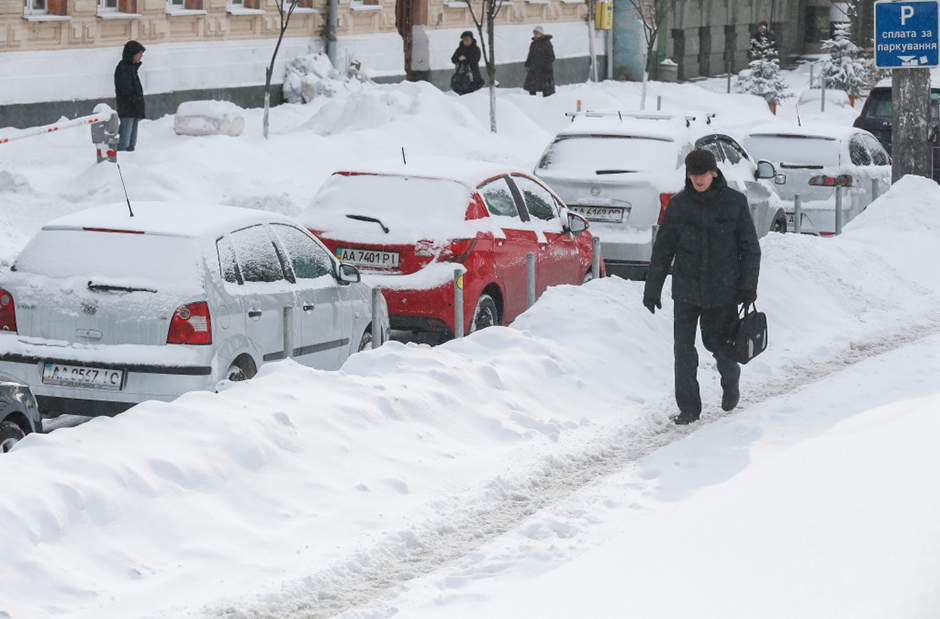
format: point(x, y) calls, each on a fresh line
point(466, 59)
point(129, 94)
point(707, 229)
point(762, 39)
point(540, 74)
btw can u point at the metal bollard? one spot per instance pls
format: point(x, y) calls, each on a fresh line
point(376, 311)
point(728, 68)
point(798, 213)
point(838, 209)
point(822, 104)
point(659, 102)
point(458, 303)
point(529, 280)
point(595, 257)
point(288, 331)
point(874, 189)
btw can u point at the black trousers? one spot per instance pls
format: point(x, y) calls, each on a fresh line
point(717, 323)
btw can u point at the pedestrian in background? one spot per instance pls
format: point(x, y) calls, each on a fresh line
point(466, 59)
point(539, 65)
point(129, 94)
point(762, 39)
point(708, 230)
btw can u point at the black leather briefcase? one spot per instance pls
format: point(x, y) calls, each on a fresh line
point(749, 336)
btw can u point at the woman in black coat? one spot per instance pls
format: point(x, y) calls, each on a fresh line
point(466, 61)
point(540, 77)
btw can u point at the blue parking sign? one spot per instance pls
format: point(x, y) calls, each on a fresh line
point(906, 34)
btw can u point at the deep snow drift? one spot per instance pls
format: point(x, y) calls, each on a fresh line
point(522, 470)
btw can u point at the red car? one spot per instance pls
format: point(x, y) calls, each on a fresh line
point(409, 226)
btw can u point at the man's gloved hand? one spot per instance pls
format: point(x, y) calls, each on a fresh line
point(652, 303)
point(747, 297)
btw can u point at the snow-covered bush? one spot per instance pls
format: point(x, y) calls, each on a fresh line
point(208, 118)
point(845, 70)
point(762, 76)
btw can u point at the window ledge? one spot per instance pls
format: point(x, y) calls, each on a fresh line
point(116, 15)
point(35, 17)
point(365, 7)
point(306, 10)
point(241, 11)
point(455, 4)
point(572, 2)
point(538, 1)
point(184, 12)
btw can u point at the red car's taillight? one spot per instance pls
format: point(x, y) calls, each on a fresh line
point(457, 251)
point(191, 324)
point(663, 201)
point(7, 312)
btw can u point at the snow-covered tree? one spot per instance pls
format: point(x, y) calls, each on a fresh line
point(762, 76)
point(845, 70)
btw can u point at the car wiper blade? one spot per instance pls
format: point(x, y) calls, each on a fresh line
point(112, 288)
point(803, 166)
point(370, 219)
point(615, 171)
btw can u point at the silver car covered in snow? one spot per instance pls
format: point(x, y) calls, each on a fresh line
point(102, 310)
point(815, 160)
point(619, 169)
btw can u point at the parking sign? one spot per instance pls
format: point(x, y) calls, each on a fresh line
point(906, 34)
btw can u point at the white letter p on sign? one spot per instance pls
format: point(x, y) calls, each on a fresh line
point(906, 12)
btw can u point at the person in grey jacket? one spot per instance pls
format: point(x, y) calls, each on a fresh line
point(129, 94)
point(708, 237)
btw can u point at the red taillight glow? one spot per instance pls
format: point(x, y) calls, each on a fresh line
point(663, 201)
point(843, 180)
point(191, 324)
point(457, 251)
point(7, 312)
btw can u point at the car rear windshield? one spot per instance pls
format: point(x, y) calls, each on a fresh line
point(880, 105)
point(129, 260)
point(794, 150)
point(389, 209)
point(609, 154)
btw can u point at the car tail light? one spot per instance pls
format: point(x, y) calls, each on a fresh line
point(457, 251)
point(843, 180)
point(191, 325)
point(663, 201)
point(7, 312)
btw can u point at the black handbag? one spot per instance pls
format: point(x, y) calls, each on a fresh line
point(749, 336)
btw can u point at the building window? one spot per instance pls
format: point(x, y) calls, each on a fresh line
point(184, 6)
point(107, 6)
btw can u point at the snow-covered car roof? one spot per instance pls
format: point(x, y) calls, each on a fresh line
point(185, 219)
point(816, 130)
point(468, 172)
point(674, 126)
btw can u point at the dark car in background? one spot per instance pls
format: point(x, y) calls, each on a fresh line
point(877, 112)
point(19, 414)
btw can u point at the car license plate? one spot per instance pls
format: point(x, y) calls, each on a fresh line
point(82, 376)
point(368, 257)
point(599, 213)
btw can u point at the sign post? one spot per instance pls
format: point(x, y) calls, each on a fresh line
point(907, 40)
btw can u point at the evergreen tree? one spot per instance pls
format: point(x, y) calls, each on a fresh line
point(845, 70)
point(762, 77)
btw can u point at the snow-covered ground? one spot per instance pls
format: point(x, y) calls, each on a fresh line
point(528, 470)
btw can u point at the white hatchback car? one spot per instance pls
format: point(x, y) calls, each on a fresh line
point(102, 310)
point(813, 160)
point(619, 169)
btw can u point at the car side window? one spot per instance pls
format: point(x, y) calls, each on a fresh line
point(858, 153)
point(538, 200)
point(733, 151)
point(498, 198)
point(308, 258)
point(257, 257)
point(227, 264)
point(879, 156)
point(711, 143)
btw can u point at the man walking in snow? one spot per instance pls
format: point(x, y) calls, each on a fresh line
point(129, 94)
point(708, 230)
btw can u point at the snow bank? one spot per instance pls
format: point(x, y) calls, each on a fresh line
point(209, 118)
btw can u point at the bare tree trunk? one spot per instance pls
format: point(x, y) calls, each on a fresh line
point(285, 20)
point(491, 66)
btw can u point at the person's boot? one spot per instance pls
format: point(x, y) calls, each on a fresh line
point(730, 398)
point(684, 419)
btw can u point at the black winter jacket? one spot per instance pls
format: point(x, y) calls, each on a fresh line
point(541, 75)
point(712, 238)
point(472, 55)
point(128, 91)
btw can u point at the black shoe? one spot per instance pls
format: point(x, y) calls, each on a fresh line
point(683, 419)
point(730, 398)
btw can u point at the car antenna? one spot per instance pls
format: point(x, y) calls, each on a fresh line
point(125, 189)
point(799, 123)
point(403, 159)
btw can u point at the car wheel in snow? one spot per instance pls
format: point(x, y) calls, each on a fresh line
point(10, 435)
point(588, 276)
point(239, 371)
point(780, 225)
point(485, 314)
point(366, 342)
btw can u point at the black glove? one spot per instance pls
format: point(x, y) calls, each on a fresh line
point(747, 297)
point(652, 303)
